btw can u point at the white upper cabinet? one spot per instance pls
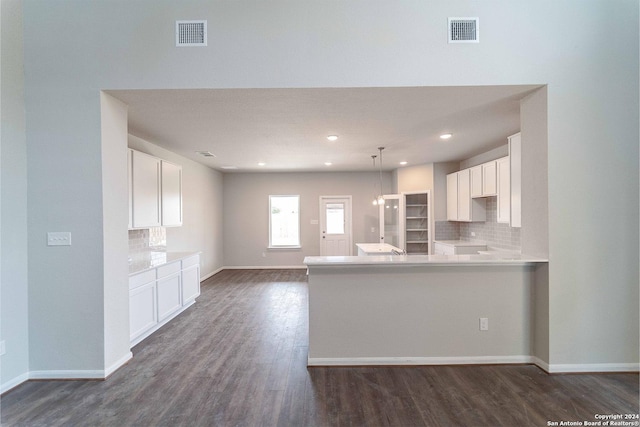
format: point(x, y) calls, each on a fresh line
point(145, 190)
point(484, 180)
point(504, 191)
point(460, 205)
point(452, 197)
point(489, 179)
point(155, 192)
point(515, 163)
point(171, 194)
point(477, 181)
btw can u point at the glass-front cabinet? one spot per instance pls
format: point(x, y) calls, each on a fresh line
point(405, 222)
point(391, 224)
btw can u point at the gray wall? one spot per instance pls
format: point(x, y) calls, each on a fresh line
point(246, 210)
point(201, 208)
point(592, 130)
point(13, 200)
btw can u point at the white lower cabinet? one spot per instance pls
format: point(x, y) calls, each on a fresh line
point(190, 279)
point(169, 299)
point(142, 309)
point(158, 295)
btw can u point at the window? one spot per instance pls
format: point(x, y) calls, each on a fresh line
point(284, 221)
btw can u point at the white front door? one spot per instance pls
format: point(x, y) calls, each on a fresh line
point(335, 226)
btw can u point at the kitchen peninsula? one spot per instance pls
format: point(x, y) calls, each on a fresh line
point(421, 309)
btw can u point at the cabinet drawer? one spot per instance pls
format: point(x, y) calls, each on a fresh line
point(188, 262)
point(168, 269)
point(142, 278)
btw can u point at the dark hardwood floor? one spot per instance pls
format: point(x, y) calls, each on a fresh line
point(238, 358)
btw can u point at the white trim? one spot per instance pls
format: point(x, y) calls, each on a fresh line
point(475, 360)
point(264, 267)
point(13, 383)
point(213, 273)
point(540, 363)
point(118, 364)
point(368, 361)
point(270, 244)
point(593, 367)
point(93, 374)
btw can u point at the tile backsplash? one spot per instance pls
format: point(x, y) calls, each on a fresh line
point(154, 238)
point(494, 234)
point(447, 230)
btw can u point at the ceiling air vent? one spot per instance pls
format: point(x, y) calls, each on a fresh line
point(205, 153)
point(191, 33)
point(464, 30)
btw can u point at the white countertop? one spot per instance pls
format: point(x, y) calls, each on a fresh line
point(422, 260)
point(143, 261)
point(373, 248)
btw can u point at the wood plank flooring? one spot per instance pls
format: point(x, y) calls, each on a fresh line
point(238, 358)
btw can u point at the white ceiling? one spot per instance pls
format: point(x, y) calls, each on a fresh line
point(287, 128)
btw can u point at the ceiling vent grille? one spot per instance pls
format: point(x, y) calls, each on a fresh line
point(191, 33)
point(464, 30)
point(205, 153)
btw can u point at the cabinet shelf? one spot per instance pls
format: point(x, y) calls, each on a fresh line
point(417, 235)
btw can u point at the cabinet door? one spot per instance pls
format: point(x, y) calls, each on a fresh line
point(504, 190)
point(142, 309)
point(477, 181)
point(489, 179)
point(169, 298)
point(190, 283)
point(171, 194)
point(464, 195)
point(515, 172)
point(130, 186)
point(391, 224)
point(452, 197)
point(145, 190)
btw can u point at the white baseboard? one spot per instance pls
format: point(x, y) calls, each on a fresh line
point(214, 272)
point(88, 374)
point(540, 363)
point(118, 364)
point(369, 361)
point(15, 382)
point(264, 267)
point(566, 368)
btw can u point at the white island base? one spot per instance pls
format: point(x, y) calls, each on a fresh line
point(399, 311)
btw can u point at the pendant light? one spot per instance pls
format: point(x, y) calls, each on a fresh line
point(379, 201)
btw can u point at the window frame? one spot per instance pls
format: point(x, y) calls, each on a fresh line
point(270, 243)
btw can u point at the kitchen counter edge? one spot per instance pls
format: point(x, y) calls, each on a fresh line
point(420, 260)
point(151, 260)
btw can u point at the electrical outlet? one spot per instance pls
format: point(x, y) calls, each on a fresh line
point(3, 349)
point(484, 323)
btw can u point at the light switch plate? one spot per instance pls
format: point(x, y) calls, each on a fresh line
point(59, 238)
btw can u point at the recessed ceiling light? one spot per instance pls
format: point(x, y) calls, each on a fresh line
point(403, 163)
point(446, 136)
point(261, 164)
point(328, 163)
point(332, 137)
